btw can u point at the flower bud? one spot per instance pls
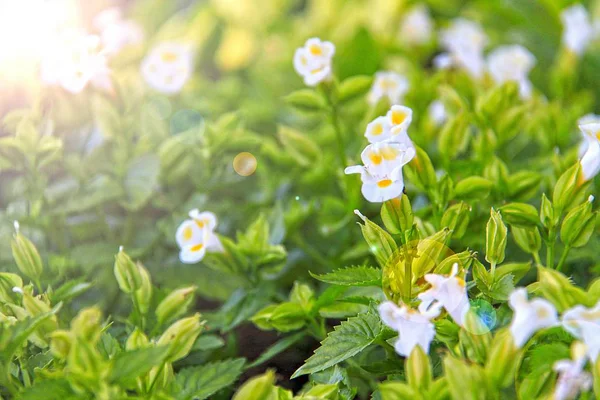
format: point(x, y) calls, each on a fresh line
point(36, 306)
point(464, 260)
point(180, 336)
point(418, 369)
point(520, 214)
point(175, 304)
point(495, 235)
point(27, 257)
point(566, 189)
point(456, 218)
point(161, 377)
point(380, 242)
point(87, 324)
point(473, 187)
point(503, 359)
point(84, 360)
point(528, 239)
point(60, 343)
point(144, 294)
point(578, 226)
point(421, 171)
point(127, 273)
point(136, 340)
point(547, 215)
point(497, 172)
point(397, 215)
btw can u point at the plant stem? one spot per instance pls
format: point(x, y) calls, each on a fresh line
point(339, 135)
point(550, 247)
point(563, 258)
point(408, 266)
point(311, 251)
point(536, 257)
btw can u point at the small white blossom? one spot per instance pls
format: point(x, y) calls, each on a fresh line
point(378, 130)
point(195, 236)
point(590, 159)
point(529, 316)
point(313, 61)
point(584, 324)
point(578, 30)
point(437, 112)
point(117, 32)
point(464, 41)
point(512, 63)
point(572, 379)
point(388, 84)
point(399, 118)
point(168, 67)
point(416, 27)
point(450, 292)
point(414, 328)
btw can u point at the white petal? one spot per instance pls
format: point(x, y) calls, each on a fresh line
point(187, 233)
point(590, 162)
point(192, 254)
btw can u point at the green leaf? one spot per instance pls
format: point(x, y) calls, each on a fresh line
point(208, 342)
point(201, 382)
point(69, 290)
point(129, 365)
point(396, 391)
point(13, 336)
point(277, 348)
point(141, 180)
point(41, 389)
point(306, 100)
point(354, 87)
point(352, 276)
point(346, 340)
point(299, 146)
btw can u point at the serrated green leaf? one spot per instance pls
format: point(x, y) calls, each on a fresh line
point(352, 276)
point(200, 382)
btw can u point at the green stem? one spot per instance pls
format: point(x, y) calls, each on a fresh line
point(493, 268)
point(408, 276)
point(563, 258)
point(536, 257)
point(311, 251)
point(550, 247)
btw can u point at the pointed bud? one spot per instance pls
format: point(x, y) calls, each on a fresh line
point(144, 294)
point(418, 370)
point(397, 215)
point(60, 343)
point(26, 256)
point(127, 272)
point(87, 324)
point(495, 235)
point(175, 304)
point(578, 226)
point(181, 337)
point(136, 340)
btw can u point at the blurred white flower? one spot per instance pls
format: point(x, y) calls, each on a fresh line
point(168, 67)
point(590, 160)
point(117, 32)
point(464, 41)
point(577, 28)
point(586, 119)
point(512, 63)
point(584, 324)
point(388, 84)
point(77, 61)
point(416, 27)
point(414, 328)
point(313, 61)
point(571, 379)
point(450, 292)
point(529, 316)
point(195, 236)
point(437, 112)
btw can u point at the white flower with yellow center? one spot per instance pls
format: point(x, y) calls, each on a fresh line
point(399, 119)
point(572, 379)
point(529, 316)
point(450, 292)
point(414, 328)
point(388, 84)
point(590, 160)
point(416, 27)
point(464, 41)
point(117, 32)
point(584, 324)
point(381, 173)
point(195, 236)
point(313, 61)
point(578, 30)
point(378, 130)
point(512, 63)
point(168, 67)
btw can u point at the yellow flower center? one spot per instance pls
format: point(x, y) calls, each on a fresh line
point(375, 158)
point(168, 56)
point(197, 247)
point(187, 233)
point(384, 183)
point(398, 117)
point(377, 130)
point(315, 50)
point(389, 153)
point(542, 313)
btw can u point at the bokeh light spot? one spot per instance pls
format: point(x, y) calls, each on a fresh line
point(244, 164)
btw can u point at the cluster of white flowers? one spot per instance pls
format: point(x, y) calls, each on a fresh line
point(313, 61)
point(383, 159)
point(168, 66)
point(388, 84)
point(590, 147)
point(196, 236)
point(116, 32)
point(414, 327)
point(578, 30)
point(75, 62)
point(512, 63)
point(464, 42)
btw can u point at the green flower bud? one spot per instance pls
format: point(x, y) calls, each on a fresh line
point(528, 239)
point(9, 281)
point(464, 260)
point(418, 369)
point(26, 256)
point(175, 304)
point(127, 273)
point(520, 214)
point(258, 387)
point(380, 242)
point(456, 218)
point(144, 294)
point(37, 306)
point(578, 226)
point(496, 99)
point(497, 172)
point(180, 336)
point(566, 189)
point(87, 324)
point(421, 171)
point(495, 235)
point(503, 359)
point(547, 215)
point(60, 343)
point(473, 187)
point(397, 215)
point(161, 377)
point(136, 340)
point(84, 360)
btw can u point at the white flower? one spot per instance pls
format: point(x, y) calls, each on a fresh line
point(381, 173)
point(117, 32)
point(577, 28)
point(464, 40)
point(414, 328)
point(584, 324)
point(437, 112)
point(590, 160)
point(388, 84)
point(313, 61)
point(195, 236)
point(590, 118)
point(168, 67)
point(416, 27)
point(571, 379)
point(512, 63)
point(77, 61)
point(399, 118)
point(529, 316)
point(450, 292)
point(378, 130)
